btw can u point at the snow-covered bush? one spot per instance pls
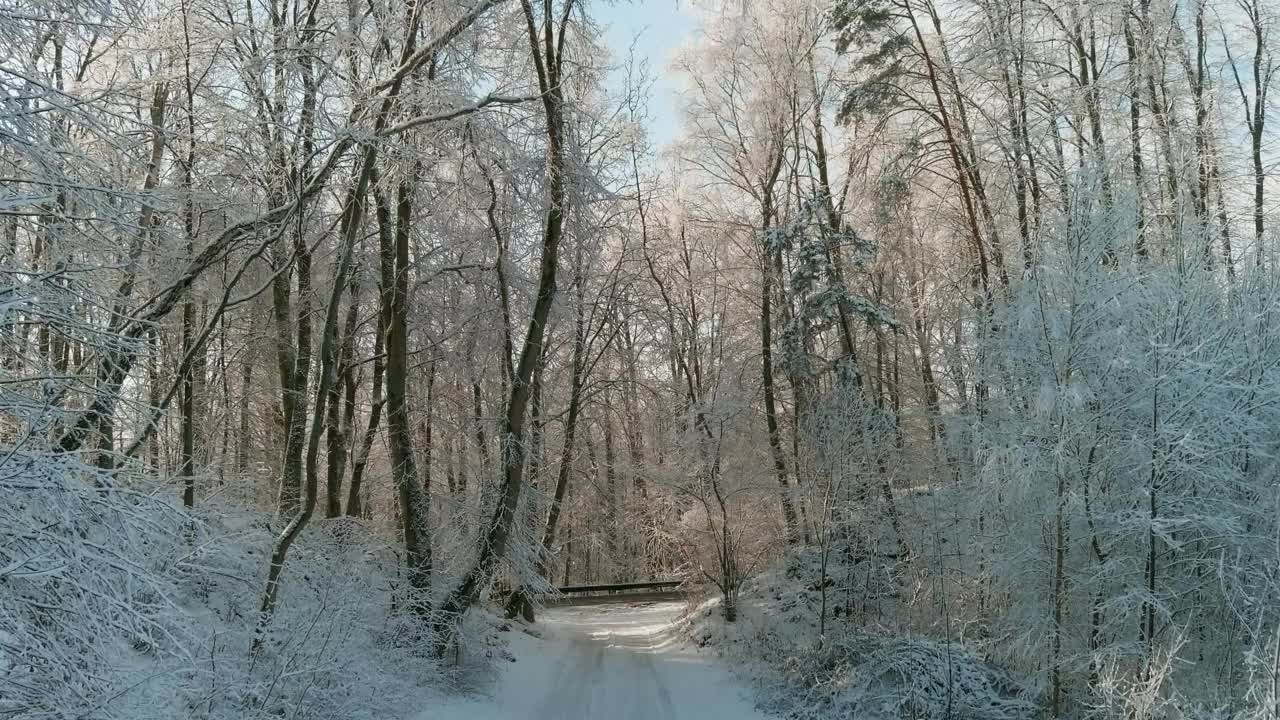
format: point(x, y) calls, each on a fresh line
point(1125, 481)
point(119, 604)
point(869, 677)
point(87, 590)
point(1098, 518)
point(852, 671)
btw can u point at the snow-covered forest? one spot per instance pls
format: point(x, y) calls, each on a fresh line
point(938, 352)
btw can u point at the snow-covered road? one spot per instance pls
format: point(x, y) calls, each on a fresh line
point(615, 661)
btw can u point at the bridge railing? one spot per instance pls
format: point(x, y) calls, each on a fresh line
point(613, 588)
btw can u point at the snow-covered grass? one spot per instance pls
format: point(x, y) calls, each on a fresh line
point(120, 604)
point(853, 671)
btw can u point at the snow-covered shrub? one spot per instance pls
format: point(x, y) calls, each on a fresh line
point(1101, 519)
point(1124, 479)
point(342, 643)
point(869, 678)
point(87, 590)
point(1262, 666)
point(119, 604)
point(855, 671)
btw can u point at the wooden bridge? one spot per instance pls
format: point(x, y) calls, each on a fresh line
point(631, 589)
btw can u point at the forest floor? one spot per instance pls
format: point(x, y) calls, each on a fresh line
point(624, 660)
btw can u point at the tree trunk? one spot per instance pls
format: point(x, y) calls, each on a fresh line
point(336, 429)
point(546, 52)
point(1135, 134)
point(386, 267)
point(957, 161)
point(352, 213)
point(767, 271)
point(519, 601)
point(611, 491)
point(414, 502)
point(195, 375)
point(244, 441)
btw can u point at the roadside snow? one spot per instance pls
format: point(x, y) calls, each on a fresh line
point(616, 661)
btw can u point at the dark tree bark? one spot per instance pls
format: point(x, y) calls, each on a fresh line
point(194, 377)
point(413, 500)
point(1135, 134)
point(519, 601)
point(338, 426)
point(611, 491)
point(146, 223)
point(957, 159)
point(386, 267)
point(546, 47)
point(1255, 110)
point(768, 269)
point(329, 351)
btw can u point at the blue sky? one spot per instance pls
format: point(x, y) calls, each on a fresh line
point(657, 26)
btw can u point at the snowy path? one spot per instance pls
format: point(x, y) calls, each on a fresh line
point(615, 661)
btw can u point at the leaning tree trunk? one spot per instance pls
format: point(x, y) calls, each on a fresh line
point(328, 377)
point(546, 52)
point(519, 603)
point(353, 212)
